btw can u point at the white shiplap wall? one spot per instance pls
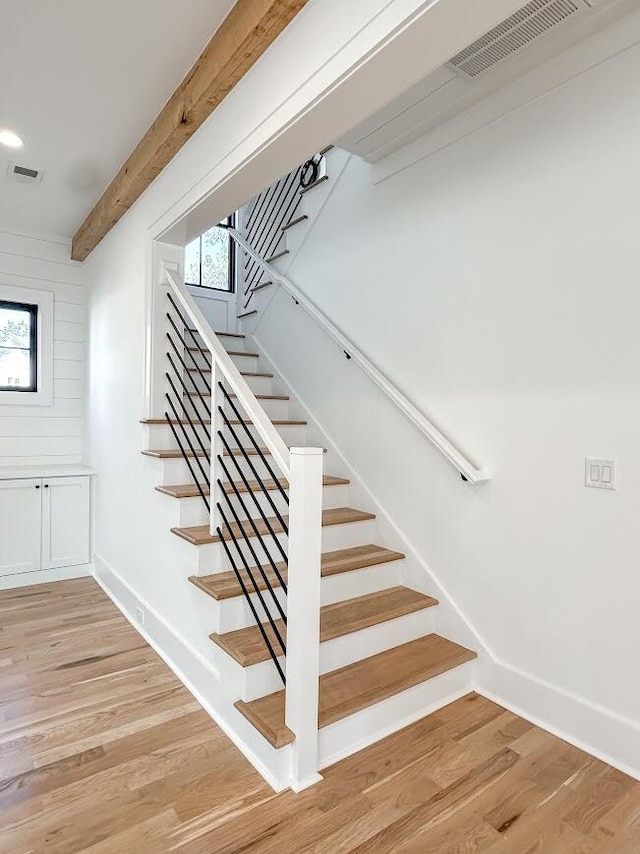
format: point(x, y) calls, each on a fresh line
point(34, 435)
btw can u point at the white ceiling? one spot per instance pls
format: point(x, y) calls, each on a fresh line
point(443, 94)
point(82, 80)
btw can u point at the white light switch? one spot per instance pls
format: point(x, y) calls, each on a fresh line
point(600, 474)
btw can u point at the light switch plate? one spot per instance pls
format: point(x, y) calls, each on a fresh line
point(600, 474)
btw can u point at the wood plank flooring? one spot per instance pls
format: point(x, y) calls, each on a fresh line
point(102, 750)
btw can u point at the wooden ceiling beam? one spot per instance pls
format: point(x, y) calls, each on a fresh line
point(248, 30)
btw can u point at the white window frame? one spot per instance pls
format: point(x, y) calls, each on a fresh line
point(44, 364)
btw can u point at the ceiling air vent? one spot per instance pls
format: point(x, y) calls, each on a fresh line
point(24, 174)
point(515, 33)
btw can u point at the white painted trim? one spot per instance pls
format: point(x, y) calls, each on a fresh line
point(246, 398)
point(164, 640)
point(464, 466)
point(49, 470)
point(588, 726)
point(45, 576)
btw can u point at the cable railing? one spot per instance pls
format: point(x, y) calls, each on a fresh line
point(467, 469)
point(263, 502)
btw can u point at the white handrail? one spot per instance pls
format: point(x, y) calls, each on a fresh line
point(464, 466)
point(246, 398)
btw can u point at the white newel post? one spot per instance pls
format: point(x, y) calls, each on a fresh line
point(303, 612)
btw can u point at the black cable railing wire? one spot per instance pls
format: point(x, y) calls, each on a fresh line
point(189, 415)
point(264, 230)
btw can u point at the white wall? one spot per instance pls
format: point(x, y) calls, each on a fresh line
point(31, 435)
point(333, 54)
point(496, 282)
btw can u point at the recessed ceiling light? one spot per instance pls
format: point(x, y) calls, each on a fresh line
point(10, 139)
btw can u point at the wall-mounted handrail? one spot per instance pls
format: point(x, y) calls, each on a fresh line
point(239, 387)
point(464, 465)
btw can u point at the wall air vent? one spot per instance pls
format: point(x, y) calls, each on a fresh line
point(24, 174)
point(525, 26)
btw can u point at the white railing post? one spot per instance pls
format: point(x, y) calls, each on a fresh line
point(303, 612)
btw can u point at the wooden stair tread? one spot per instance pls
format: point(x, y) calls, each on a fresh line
point(230, 352)
point(225, 585)
point(281, 422)
point(204, 371)
point(247, 646)
point(176, 453)
point(190, 490)
point(199, 535)
point(295, 221)
point(358, 686)
point(223, 334)
point(315, 184)
point(275, 257)
point(206, 394)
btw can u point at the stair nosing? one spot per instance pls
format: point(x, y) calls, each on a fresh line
point(270, 485)
point(208, 538)
point(422, 603)
point(379, 557)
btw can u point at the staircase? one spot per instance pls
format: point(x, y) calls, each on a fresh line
point(380, 662)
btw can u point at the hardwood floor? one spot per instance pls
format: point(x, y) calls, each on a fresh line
point(102, 750)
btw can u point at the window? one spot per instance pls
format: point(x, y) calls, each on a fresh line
point(26, 346)
point(18, 346)
point(210, 260)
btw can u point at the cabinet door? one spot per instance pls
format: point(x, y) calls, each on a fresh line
point(20, 525)
point(65, 521)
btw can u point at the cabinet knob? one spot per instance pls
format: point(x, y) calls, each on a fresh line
point(46, 486)
point(37, 486)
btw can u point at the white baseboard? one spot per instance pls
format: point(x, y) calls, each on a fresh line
point(587, 726)
point(44, 576)
point(198, 675)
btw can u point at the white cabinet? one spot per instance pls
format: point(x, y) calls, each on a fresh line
point(44, 523)
point(65, 521)
point(20, 527)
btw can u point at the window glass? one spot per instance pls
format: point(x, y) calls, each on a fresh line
point(18, 346)
point(208, 260)
point(192, 263)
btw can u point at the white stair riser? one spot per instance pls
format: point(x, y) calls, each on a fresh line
point(334, 537)
point(258, 385)
point(243, 362)
point(359, 582)
point(261, 679)
point(192, 511)
point(161, 436)
point(237, 463)
point(176, 470)
point(231, 343)
point(293, 435)
point(202, 380)
point(228, 341)
point(274, 409)
point(348, 736)
point(227, 615)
